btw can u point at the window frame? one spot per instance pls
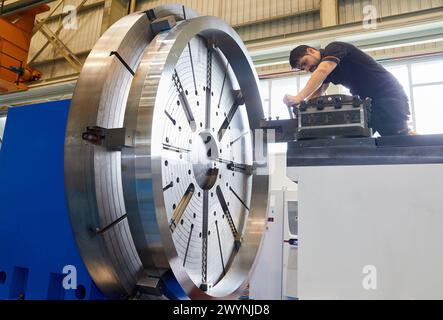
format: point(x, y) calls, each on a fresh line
point(408, 62)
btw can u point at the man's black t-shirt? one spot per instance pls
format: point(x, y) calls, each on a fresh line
point(360, 73)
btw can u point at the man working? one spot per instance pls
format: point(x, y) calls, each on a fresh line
point(343, 63)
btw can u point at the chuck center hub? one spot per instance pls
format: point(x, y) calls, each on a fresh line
point(204, 155)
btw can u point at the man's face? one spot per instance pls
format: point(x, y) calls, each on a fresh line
point(310, 61)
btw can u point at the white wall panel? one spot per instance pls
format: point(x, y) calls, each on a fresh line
point(57, 68)
point(352, 10)
point(408, 51)
point(255, 19)
point(204, 7)
point(66, 2)
point(279, 27)
point(78, 40)
point(238, 12)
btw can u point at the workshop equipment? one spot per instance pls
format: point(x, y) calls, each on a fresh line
point(164, 197)
point(369, 217)
point(334, 116)
point(159, 165)
point(15, 38)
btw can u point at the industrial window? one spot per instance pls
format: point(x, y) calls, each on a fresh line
point(274, 90)
point(422, 80)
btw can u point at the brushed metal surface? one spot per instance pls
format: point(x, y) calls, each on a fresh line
point(187, 208)
point(93, 175)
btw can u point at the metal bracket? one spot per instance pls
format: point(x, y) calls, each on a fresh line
point(150, 285)
point(211, 43)
point(243, 168)
point(113, 139)
point(163, 24)
point(206, 287)
point(239, 99)
point(150, 14)
point(285, 130)
point(151, 282)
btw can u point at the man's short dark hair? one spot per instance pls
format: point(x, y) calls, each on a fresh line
point(297, 54)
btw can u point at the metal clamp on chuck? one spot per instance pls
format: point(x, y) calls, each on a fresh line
point(113, 139)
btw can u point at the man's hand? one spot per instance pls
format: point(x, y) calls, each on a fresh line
point(292, 100)
point(316, 82)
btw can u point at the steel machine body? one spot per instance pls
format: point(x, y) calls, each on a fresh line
point(368, 215)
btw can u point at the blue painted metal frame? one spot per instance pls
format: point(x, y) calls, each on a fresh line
point(36, 239)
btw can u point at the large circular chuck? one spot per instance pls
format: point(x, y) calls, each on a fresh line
point(160, 168)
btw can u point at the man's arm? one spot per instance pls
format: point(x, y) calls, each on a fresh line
point(320, 91)
point(315, 82)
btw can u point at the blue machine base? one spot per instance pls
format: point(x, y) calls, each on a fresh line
point(36, 239)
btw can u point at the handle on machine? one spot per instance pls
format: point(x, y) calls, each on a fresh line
point(291, 111)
